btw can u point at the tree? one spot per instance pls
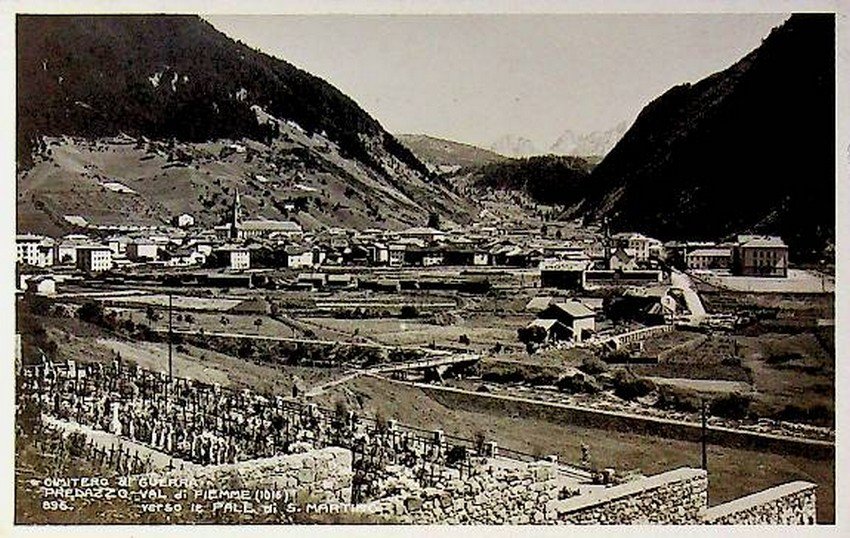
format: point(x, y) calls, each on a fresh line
point(91, 311)
point(258, 322)
point(409, 311)
point(224, 321)
point(151, 314)
point(434, 220)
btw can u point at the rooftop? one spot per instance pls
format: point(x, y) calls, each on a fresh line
point(575, 309)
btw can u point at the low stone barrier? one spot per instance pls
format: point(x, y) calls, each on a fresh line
point(674, 497)
point(318, 475)
point(516, 493)
point(558, 413)
point(793, 503)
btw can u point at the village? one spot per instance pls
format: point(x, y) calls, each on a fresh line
point(598, 323)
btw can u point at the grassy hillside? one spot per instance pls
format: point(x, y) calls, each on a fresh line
point(151, 102)
point(438, 152)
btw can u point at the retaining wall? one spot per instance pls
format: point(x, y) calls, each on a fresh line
point(794, 503)
point(625, 422)
point(512, 493)
point(318, 475)
point(675, 497)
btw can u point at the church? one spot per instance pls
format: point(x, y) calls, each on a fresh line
point(237, 229)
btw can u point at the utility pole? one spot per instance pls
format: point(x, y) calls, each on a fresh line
point(704, 432)
point(170, 340)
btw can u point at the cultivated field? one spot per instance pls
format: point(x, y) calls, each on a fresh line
point(798, 281)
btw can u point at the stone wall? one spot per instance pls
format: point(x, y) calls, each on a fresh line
point(558, 413)
point(502, 491)
point(793, 503)
point(674, 497)
point(318, 475)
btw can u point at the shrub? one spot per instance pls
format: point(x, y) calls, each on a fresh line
point(409, 311)
point(678, 399)
point(593, 366)
point(630, 387)
point(579, 383)
point(735, 406)
point(817, 414)
point(91, 311)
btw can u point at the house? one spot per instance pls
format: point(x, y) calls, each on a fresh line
point(379, 253)
point(34, 250)
point(184, 257)
point(94, 259)
point(234, 258)
point(431, 258)
point(240, 259)
point(143, 250)
point(312, 280)
point(575, 315)
point(41, 285)
point(65, 252)
point(355, 254)
point(760, 255)
point(343, 281)
point(183, 221)
point(118, 244)
point(564, 274)
point(297, 257)
point(396, 254)
point(538, 304)
point(551, 329)
point(637, 245)
point(620, 260)
point(709, 258)
point(481, 257)
point(425, 233)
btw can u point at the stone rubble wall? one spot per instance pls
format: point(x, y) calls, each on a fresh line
point(674, 497)
point(794, 503)
point(498, 494)
point(318, 475)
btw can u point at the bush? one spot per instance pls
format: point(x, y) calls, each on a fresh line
point(409, 311)
point(678, 399)
point(91, 312)
point(734, 406)
point(593, 366)
point(630, 387)
point(819, 414)
point(579, 383)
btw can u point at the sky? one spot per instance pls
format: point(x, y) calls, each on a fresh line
point(476, 78)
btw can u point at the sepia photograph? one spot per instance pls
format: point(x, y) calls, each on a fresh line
point(424, 268)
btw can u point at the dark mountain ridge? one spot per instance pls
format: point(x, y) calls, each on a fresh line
point(750, 148)
point(173, 76)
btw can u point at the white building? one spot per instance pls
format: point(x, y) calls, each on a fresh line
point(94, 259)
point(142, 250)
point(298, 258)
point(240, 259)
point(184, 221)
point(35, 250)
point(637, 245)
